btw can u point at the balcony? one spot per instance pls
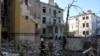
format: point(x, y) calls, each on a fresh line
point(47, 36)
point(36, 20)
point(49, 24)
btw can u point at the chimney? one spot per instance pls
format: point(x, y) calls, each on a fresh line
point(89, 11)
point(51, 2)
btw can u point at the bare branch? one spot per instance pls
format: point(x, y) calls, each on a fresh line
point(78, 7)
point(72, 3)
point(65, 8)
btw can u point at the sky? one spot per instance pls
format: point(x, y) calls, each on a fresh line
point(93, 5)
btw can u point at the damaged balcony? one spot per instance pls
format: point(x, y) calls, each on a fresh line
point(47, 36)
point(49, 24)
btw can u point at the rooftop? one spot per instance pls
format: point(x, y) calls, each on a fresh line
point(55, 6)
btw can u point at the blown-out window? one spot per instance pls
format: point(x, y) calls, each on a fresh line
point(44, 20)
point(83, 24)
point(44, 9)
point(87, 24)
point(56, 29)
point(87, 17)
point(26, 2)
point(44, 30)
point(54, 13)
point(83, 32)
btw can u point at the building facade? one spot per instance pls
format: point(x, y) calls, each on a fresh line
point(20, 20)
point(85, 24)
point(52, 23)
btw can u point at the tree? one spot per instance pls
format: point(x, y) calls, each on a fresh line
point(69, 6)
point(68, 10)
point(64, 42)
point(66, 28)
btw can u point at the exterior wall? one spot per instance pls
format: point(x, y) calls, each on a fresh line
point(18, 23)
point(76, 24)
point(74, 44)
point(50, 17)
point(50, 20)
point(25, 37)
point(23, 28)
point(96, 24)
point(21, 23)
point(77, 45)
point(72, 24)
point(52, 7)
point(81, 21)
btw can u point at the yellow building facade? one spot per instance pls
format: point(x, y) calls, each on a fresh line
point(20, 24)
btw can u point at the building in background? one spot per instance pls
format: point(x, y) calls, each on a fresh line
point(52, 23)
point(85, 24)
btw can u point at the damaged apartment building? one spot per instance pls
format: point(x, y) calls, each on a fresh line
point(26, 20)
point(85, 38)
point(51, 23)
point(85, 24)
point(20, 22)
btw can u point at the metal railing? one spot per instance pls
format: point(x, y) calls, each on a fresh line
point(54, 24)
